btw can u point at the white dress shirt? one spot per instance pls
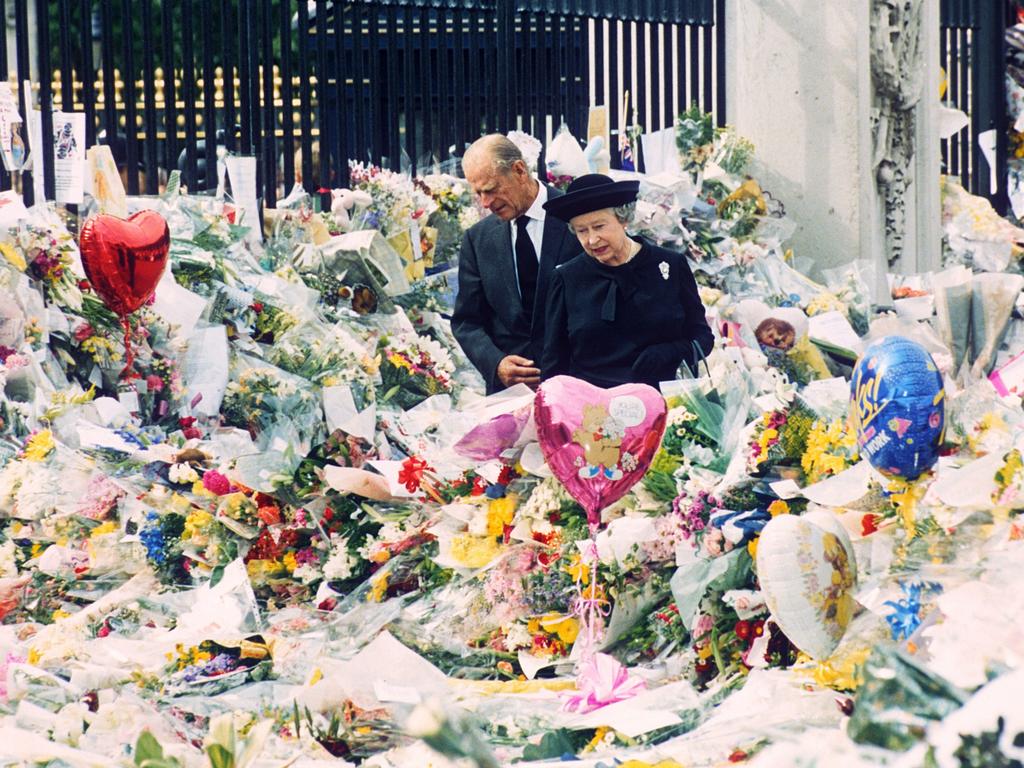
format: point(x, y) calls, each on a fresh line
point(534, 227)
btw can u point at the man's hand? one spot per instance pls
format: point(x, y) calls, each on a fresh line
point(514, 369)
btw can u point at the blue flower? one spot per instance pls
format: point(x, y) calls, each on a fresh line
point(495, 491)
point(153, 539)
point(906, 615)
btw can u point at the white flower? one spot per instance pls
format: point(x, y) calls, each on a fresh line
point(7, 567)
point(182, 474)
point(306, 573)
point(340, 564)
point(426, 720)
point(613, 429)
point(478, 523)
point(518, 637)
point(528, 145)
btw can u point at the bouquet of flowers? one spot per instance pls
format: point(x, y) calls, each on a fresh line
point(413, 368)
point(396, 199)
point(261, 397)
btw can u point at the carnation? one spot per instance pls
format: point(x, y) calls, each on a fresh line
point(216, 483)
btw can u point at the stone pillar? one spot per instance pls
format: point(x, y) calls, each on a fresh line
point(800, 86)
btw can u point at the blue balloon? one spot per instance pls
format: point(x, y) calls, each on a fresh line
point(898, 407)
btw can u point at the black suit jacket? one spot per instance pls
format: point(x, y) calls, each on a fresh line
point(489, 321)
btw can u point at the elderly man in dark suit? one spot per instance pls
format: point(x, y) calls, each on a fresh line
point(505, 265)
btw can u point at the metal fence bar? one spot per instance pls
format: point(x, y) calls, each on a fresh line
point(45, 101)
point(287, 121)
point(229, 68)
point(459, 64)
point(393, 86)
point(21, 34)
point(409, 105)
point(170, 88)
point(152, 177)
point(131, 128)
point(444, 89)
point(209, 116)
point(964, 99)
point(188, 87)
point(719, 21)
point(305, 98)
point(269, 108)
point(324, 176)
point(5, 177)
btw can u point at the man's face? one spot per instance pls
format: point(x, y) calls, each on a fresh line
point(506, 194)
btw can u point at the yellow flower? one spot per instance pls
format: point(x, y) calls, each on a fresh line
point(33, 657)
point(14, 258)
point(474, 551)
point(39, 445)
point(101, 530)
point(399, 362)
point(566, 627)
point(599, 736)
point(579, 570)
point(841, 673)
point(195, 525)
point(778, 507)
point(499, 514)
point(289, 562)
point(59, 614)
point(378, 589)
point(752, 549)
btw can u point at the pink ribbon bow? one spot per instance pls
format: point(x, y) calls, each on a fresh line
point(602, 680)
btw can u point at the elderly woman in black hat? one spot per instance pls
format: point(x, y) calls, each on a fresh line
point(625, 310)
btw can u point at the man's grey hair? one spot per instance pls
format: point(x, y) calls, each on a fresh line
point(494, 148)
point(624, 213)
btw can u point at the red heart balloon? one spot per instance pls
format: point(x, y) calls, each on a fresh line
point(124, 259)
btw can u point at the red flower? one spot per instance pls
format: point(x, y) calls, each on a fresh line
point(83, 332)
point(411, 474)
point(507, 475)
point(479, 487)
point(84, 286)
point(868, 524)
point(257, 307)
point(216, 483)
point(742, 630)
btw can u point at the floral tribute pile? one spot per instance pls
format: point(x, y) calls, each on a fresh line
point(298, 534)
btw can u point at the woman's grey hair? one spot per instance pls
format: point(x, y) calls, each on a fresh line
point(624, 213)
point(499, 150)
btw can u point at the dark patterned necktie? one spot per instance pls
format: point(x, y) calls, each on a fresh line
point(526, 265)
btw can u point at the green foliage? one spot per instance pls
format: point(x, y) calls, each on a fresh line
point(150, 754)
point(556, 744)
point(694, 128)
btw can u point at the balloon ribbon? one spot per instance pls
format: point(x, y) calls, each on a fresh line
point(129, 356)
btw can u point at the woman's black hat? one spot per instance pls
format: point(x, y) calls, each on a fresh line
point(591, 192)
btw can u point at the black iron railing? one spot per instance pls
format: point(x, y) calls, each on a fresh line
point(305, 87)
point(973, 58)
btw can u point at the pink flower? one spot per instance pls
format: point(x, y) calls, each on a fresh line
point(703, 626)
point(216, 483)
point(154, 383)
point(83, 332)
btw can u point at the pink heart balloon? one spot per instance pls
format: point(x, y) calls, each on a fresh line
point(598, 442)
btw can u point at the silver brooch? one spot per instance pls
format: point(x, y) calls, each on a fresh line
point(664, 270)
